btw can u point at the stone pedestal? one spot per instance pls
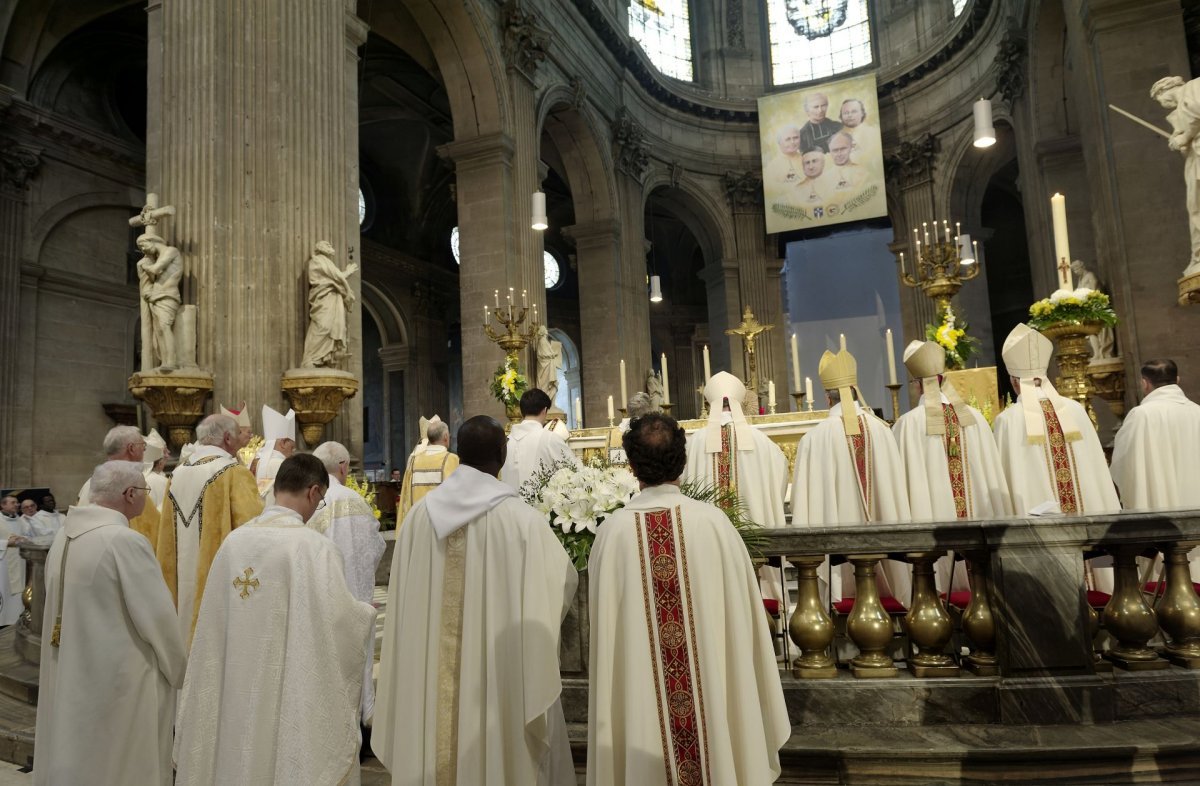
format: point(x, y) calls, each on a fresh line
point(176, 399)
point(28, 641)
point(1108, 382)
point(317, 395)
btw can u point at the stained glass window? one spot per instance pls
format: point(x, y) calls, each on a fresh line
point(362, 207)
point(959, 5)
point(814, 39)
point(454, 245)
point(553, 274)
point(664, 30)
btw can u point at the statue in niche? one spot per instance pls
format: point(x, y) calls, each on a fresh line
point(1183, 99)
point(549, 362)
point(1103, 343)
point(654, 390)
point(159, 272)
point(329, 298)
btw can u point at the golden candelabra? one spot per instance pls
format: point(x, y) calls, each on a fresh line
point(512, 340)
point(941, 268)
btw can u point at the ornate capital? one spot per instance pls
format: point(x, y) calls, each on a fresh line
point(912, 162)
point(524, 40)
point(18, 165)
point(744, 191)
point(632, 152)
point(1010, 65)
point(578, 92)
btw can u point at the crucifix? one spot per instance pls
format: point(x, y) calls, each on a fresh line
point(1064, 274)
point(147, 219)
point(749, 331)
point(151, 213)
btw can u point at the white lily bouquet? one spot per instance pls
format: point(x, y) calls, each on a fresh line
point(576, 501)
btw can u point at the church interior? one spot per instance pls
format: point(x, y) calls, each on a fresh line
point(617, 172)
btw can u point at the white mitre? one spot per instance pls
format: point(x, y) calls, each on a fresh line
point(424, 423)
point(926, 361)
point(1026, 355)
point(275, 427)
point(723, 387)
point(156, 448)
point(240, 416)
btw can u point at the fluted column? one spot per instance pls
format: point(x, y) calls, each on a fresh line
point(252, 136)
point(910, 168)
point(598, 258)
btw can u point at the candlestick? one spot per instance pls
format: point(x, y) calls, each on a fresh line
point(895, 389)
point(957, 229)
point(497, 298)
point(771, 395)
point(535, 316)
point(796, 362)
point(624, 400)
point(925, 229)
point(891, 358)
point(946, 229)
point(903, 270)
point(841, 342)
point(578, 413)
point(1062, 246)
point(707, 368)
point(510, 298)
point(524, 298)
point(611, 414)
point(808, 392)
point(935, 232)
point(975, 249)
point(487, 315)
point(798, 397)
point(665, 381)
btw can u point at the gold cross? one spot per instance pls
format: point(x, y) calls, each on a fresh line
point(245, 584)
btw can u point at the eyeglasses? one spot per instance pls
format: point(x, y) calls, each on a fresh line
point(320, 504)
point(139, 488)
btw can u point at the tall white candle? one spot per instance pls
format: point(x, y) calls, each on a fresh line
point(903, 271)
point(707, 367)
point(624, 400)
point(808, 389)
point(891, 358)
point(510, 297)
point(611, 415)
point(535, 312)
point(770, 393)
point(1062, 247)
point(524, 298)
point(486, 314)
point(578, 413)
point(497, 298)
point(795, 363)
point(666, 381)
point(842, 341)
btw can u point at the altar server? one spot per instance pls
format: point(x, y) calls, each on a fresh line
point(531, 448)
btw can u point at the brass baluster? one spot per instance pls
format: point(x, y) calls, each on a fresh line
point(978, 623)
point(1179, 609)
point(1127, 617)
point(929, 626)
point(810, 626)
point(869, 625)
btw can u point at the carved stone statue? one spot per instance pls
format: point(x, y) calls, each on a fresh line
point(159, 272)
point(329, 298)
point(1104, 341)
point(1183, 99)
point(654, 389)
point(549, 362)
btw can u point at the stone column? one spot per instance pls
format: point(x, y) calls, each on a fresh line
point(18, 165)
point(598, 259)
point(720, 279)
point(910, 169)
point(483, 171)
point(252, 134)
point(683, 371)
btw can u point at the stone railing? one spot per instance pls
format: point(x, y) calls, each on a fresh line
point(1029, 613)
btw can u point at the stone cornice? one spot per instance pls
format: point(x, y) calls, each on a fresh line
point(479, 151)
point(79, 286)
point(25, 121)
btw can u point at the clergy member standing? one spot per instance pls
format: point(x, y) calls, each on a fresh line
point(279, 435)
point(949, 455)
point(719, 717)
point(153, 461)
point(210, 495)
point(1156, 455)
point(273, 691)
point(848, 471)
point(241, 416)
point(112, 656)
point(13, 585)
point(531, 448)
point(126, 443)
point(349, 522)
point(469, 685)
point(427, 468)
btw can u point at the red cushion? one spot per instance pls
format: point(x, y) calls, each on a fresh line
point(1097, 599)
point(960, 599)
point(890, 605)
point(772, 606)
point(1155, 587)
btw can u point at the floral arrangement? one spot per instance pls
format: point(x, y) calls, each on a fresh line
point(509, 384)
point(984, 407)
point(951, 334)
point(576, 500)
point(1080, 305)
point(365, 490)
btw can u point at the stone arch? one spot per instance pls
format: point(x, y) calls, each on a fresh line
point(961, 193)
point(63, 210)
point(577, 136)
point(708, 220)
point(393, 328)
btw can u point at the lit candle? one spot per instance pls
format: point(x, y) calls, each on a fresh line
point(510, 297)
point(975, 248)
point(902, 270)
point(935, 232)
point(1062, 248)
point(611, 415)
point(578, 413)
point(535, 312)
point(707, 367)
point(624, 400)
point(957, 229)
point(486, 314)
point(925, 227)
point(808, 389)
point(497, 298)
point(842, 341)
point(665, 380)
point(771, 393)
point(891, 358)
point(524, 298)
point(795, 363)
point(946, 229)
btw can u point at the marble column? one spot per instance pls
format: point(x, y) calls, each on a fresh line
point(910, 169)
point(720, 279)
point(252, 134)
point(18, 165)
point(598, 259)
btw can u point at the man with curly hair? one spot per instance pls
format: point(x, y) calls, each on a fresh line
point(671, 578)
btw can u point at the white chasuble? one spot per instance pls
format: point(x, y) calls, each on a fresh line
point(13, 587)
point(955, 475)
point(856, 479)
point(684, 684)
point(350, 523)
point(469, 681)
point(530, 449)
point(757, 472)
point(273, 690)
point(107, 692)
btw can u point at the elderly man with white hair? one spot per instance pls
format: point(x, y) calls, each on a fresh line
point(210, 495)
point(107, 613)
point(126, 443)
point(427, 468)
point(349, 522)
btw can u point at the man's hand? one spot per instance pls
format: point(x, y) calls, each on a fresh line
point(16, 540)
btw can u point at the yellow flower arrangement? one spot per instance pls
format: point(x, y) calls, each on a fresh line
point(952, 337)
point(509, 384)
point(1079, 305)
point(365, 490)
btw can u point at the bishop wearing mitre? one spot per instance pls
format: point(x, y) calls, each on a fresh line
point(279, 442)
point(210, 495)
point(242, 417)
point(152, 465)
point(684, 685)
point(848, 471)
point(428, 466)
point(469, 685)
point(949, 455)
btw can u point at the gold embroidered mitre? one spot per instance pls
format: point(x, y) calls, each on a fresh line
point(840, 372)
point(926, 361)
point(1026, 355)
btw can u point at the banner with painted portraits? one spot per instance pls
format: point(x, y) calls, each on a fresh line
point(822, 159)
